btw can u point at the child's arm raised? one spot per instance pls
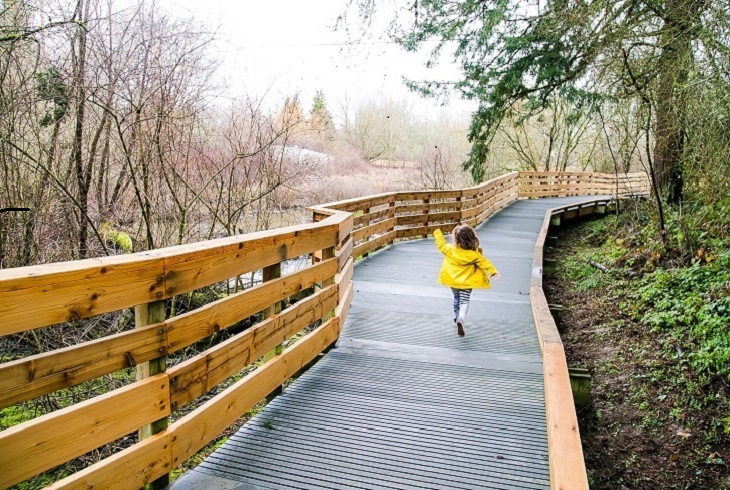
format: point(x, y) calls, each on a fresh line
point(441, 242)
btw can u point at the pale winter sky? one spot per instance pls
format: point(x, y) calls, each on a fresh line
point(282, 47)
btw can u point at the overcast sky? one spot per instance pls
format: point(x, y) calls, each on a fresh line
point(282, 47)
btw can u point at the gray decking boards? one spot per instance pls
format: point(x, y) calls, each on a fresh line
point(402, 401)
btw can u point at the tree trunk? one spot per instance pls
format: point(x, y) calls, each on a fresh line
point(78, 162)
point(675, 64)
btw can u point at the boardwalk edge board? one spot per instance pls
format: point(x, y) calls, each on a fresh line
point(567, 465)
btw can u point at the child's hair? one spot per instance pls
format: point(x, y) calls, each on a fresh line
point(466, 237)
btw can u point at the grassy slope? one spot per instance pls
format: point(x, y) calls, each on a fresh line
point(654, 333)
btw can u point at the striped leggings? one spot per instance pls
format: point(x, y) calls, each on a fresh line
point(461, 302)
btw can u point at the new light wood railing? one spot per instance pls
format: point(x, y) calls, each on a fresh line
point(34, 297)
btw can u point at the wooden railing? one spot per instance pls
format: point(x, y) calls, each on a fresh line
point(381, 219)
point(34, 297)
point(564, 184)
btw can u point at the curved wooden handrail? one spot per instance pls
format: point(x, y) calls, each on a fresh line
point(340, 233)
point(567, 467)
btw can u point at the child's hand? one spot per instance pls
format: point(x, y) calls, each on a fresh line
point(496, 276)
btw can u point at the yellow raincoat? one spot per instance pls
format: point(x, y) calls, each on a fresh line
point(463, 269)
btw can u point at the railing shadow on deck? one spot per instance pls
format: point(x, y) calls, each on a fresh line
point(39, 296)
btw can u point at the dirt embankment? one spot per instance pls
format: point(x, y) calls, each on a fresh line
point(651, 423)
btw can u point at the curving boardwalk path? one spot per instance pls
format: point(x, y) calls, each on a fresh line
point(402, 401)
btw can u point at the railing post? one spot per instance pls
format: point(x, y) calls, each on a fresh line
point(328, 253)
point(148, 314)
point(269, 273)
point(391, 215)
point(366, 223)
point(426, 211)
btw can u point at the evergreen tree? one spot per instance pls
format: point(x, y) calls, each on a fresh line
point(320, 119)
point(522, 54)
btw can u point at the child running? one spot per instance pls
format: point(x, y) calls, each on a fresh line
point(464, 268)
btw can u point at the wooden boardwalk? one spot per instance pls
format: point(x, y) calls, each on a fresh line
point(402, 401)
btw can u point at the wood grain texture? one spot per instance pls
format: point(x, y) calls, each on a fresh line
point(567, 466)
point(418, 195)
point(69, 291)
point(555, 184)
point(42, 443)
point(344, 253)
point(371, 245)
point(370, 217)
point(565, 452)
point(344, 307)
point(195, 268)
point(434, 206)
point(366, 232)
point(359, 203)
point(80, 289)
point(428, 218)
point(131, 469)
point(34, 376)
point(156, 456)
point(344, 278)
point(425, 230)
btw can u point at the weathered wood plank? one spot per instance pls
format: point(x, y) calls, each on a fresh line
point(131, 468)
point(34, 376)
point(42, 443)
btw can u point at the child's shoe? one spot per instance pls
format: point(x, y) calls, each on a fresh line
point(460, 326)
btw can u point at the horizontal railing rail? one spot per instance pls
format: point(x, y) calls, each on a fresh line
point(40, 296)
